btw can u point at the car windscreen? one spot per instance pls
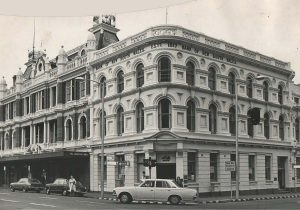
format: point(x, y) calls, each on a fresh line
point(174, 184)
point(34, 181)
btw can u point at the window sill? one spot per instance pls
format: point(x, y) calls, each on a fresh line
point(268, 182)
point(252, 182)
point(215, 183)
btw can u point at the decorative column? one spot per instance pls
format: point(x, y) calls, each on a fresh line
point(31, 134)
point(111, 173)
point(129, 169)
point(45, 132)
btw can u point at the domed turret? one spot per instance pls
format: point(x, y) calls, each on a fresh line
point(3, 86)
point(62, 60)
point(91, 42)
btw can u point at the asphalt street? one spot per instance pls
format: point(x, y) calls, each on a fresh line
point(19, 200)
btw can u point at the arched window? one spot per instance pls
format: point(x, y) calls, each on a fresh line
point(231, 83)
point(266, 91)
point(69, 132)
point(249, 87)
point(212, 78)
point(102, 85)
point(7, 141)
point(120, 121)
point(164, 113)
point(281, 127)
point(164, 70)
point(232, 121)
point(190, 73)
point(213, 119)
point(249, 124)
point(82, 53)
point(120, 81)
point(139, 117)
point(100, 120)
point(297, 133)
point(190, 116)
point(82, 126)
point(280, 94)
point(267, 125)
point(139, 75)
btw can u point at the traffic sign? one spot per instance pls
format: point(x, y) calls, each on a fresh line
point(229, 165)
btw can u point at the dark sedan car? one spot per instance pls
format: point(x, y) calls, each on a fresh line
point(61, 185)
point(26, 184)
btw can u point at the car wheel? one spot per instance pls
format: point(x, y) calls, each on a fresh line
point(64, 193)
point(12, 189)
point(24, 189)
point(174, 199)
point(125, 198)
point(48, 191)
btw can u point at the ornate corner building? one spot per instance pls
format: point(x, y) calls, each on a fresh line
point(170, 95)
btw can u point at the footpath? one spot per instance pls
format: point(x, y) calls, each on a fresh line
point(207, 200)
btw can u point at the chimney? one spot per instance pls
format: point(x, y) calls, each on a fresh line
point(14, 80)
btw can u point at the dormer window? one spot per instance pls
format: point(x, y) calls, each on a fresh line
point(40, 67)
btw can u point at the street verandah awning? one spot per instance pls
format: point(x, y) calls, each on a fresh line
point(45, 155)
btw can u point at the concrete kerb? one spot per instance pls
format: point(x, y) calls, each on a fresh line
point(215, 201)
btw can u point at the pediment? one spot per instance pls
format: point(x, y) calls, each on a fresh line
point(164, 135)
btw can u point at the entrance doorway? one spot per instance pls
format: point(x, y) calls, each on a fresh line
point(281, 172)
point(166, 171)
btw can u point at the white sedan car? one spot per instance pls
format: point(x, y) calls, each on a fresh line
point(155, 190)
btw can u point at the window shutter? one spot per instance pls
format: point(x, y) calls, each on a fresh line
point(87, 80)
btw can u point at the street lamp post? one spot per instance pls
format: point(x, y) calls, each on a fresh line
point(102, 86)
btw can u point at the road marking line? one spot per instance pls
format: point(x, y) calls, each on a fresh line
point(41, 204)
point(86, 201)
point(4, 193)
point(48, 198)
point(9, 200)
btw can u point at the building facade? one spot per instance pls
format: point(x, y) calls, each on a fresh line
point(170, 95)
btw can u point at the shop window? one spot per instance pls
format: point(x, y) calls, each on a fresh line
point(249, 84)
point(268, 166)
point(298, 169)
point(190, 117)
point(280, 94)
point(140, 167)
point(164, 70)
point(266, 90)
point(297, 133)
point(212, 78)
point(190, 73)
point(100, 120)
point(267, 125)
point(191, 166)
point(120, 175)
point(249, 124)
point(213, 167)
point(233, 173)
point(69, 130)
point(231, 83)
point(213, 119)
point(140, 117)
point(120, 121)
point(82, 126)
point(232, 121)
point(251, 168)
point(102, 84)
point(139, 75)
point(120, 81)
point(281, 127)
point(164, 113)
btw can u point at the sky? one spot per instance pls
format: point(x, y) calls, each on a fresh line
point(270, 27)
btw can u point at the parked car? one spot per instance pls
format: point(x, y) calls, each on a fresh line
point(26, 184)
point(155, 190)
point(61, 185)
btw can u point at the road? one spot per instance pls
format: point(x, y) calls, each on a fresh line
point(19, 200)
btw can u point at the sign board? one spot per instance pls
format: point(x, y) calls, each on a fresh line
point(229, 165)
point(296, 166)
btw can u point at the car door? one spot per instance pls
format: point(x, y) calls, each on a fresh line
point(145, 191)
point(162, 191)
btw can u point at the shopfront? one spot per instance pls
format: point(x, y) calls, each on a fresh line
point(166, 166)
